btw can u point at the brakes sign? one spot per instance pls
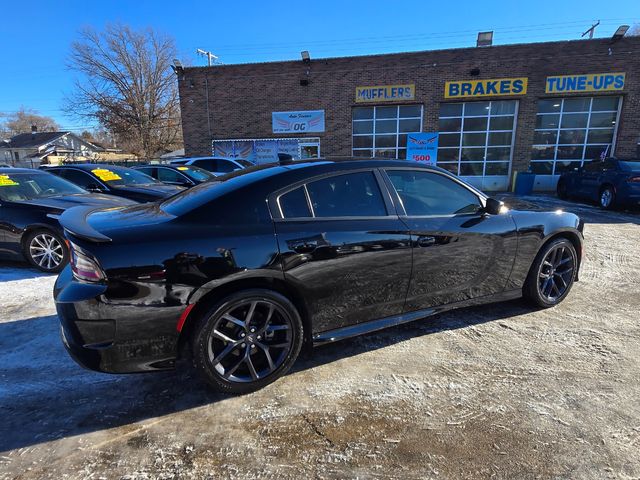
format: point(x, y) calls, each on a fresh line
point(6, 181)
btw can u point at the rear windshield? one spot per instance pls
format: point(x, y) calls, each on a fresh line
point(630, 165)
point(15, 187)
point(205, 192)
point(119, 176)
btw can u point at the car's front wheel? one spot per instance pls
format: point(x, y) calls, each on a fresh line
point(607, 197)
point(46, 250)
point(552, 274)
point(247, 340)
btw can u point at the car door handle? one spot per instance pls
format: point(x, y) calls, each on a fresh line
point(304, 246)
point(426, 241)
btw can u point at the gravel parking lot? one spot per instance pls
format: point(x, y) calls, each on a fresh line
point(496, 391)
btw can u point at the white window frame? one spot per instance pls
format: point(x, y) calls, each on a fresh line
point(587, 129)
point(486, 131)
point(373, 133)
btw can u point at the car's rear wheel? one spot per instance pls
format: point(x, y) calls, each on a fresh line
point(247, 340)
point(561, 189)
point(607, 198)
point(46, 250)
point(552, 274)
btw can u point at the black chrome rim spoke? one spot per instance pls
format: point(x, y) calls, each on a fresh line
point(555, 273)
point(249, 340)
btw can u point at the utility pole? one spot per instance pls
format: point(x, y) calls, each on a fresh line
point(210, 56)
point(591, 30)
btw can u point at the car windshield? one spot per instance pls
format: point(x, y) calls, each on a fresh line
point(15, 187)
point(630, 165)
point(121, 177)
point(196, 173)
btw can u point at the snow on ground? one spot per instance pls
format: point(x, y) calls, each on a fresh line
point(495, 391)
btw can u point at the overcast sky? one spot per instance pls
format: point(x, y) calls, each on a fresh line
point(36, 35)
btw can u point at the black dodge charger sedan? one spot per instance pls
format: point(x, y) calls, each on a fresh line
point(31, 202)
point(114, 180)
point(240, 273)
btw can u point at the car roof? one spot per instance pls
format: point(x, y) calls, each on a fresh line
point(86, 166)
point(188, 159)
point(19, 170)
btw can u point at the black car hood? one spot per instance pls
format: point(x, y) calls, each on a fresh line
point(63, 202)
point(149, 191)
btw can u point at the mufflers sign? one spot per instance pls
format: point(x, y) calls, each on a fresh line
point(385, 93)
point(485, 88)
point(306, 121)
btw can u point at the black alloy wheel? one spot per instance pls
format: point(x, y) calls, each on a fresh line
point(607, 198)
point(552, 274)
point(247, 341)
point(46, 251)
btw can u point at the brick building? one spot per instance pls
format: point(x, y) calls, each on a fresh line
point(547, 107)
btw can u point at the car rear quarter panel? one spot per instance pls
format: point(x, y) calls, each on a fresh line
point(534, 230)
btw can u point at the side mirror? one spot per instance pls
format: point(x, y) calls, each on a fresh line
point(493, 206)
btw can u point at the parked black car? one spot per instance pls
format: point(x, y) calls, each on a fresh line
point(182, 175)
point(241, 273)
point(611, 183)
point(31, 202)
point(119, 181)
point(217, 166)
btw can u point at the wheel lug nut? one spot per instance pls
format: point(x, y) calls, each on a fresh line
point(253, 330)
point(253, 346)
point(242, 334)
point(258, 337)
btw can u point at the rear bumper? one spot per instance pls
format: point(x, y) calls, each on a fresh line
point(114, 336)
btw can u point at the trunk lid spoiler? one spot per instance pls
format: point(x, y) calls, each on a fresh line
point(75, 221)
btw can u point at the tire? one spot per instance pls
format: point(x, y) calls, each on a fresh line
point(552, 274)
point(46, 250)
point(247, 340)
point(562, 190)
point(607, 197)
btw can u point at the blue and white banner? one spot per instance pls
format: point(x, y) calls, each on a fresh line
point(307, 121)
point(422, 147)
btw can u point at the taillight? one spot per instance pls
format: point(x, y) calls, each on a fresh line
point(633, 180)
point(83, 267)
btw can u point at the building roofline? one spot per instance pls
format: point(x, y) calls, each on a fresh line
point(413, 52)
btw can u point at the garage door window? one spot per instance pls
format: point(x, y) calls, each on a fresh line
point(382, 131)
point(571, 131)
point(476, 138)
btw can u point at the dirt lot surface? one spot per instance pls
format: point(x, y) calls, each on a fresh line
point(497, 391)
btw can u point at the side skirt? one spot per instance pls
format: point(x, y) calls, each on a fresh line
point(374, 325)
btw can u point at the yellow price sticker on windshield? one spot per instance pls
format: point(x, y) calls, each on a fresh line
point(183, 168)
point(5, 181)
point(106, 175)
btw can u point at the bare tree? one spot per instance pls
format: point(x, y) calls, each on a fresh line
point(634, 31)
point(126, 84)
point(22, 121)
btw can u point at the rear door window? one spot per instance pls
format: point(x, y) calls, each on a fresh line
point(430, 194)
point(349, 195)
point(169, 175)
point(78, 177)
point(226, 166)
point(294, 204)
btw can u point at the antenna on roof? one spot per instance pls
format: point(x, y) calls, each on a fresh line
point(591, 30)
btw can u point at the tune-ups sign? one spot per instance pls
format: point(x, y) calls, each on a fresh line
point(307, 121)
point(422, 147)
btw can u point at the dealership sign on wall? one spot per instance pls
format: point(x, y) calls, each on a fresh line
point(589, 82)
point(307, 121)
point(422, 147)
point(385, 93)
point(486, 88)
